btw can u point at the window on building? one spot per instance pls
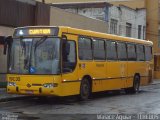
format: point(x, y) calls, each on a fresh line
point(140, 52)
point(144, 32)
point(113, 26)
point(121, 50)
point(99, 49)
point(128, 29)
point(85, 48)
point(120, 29)
point(139, 31)
point(111, 50)
point(106, 12)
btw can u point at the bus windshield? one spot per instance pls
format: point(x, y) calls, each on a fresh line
point(35, 56)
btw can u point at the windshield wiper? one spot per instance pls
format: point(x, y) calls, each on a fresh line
point(39, 42)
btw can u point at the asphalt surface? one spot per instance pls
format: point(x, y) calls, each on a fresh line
point(146, 102)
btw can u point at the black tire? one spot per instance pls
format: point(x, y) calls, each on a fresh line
point(85, 89)
point(136, 85)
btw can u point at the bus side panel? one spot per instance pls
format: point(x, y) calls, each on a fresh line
point(142, 69)
point(114, 76)
point(70, 86)
point(124, 75)
point(99, 74)
point(145, 74)
point(132, 69)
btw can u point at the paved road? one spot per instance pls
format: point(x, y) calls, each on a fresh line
point(32, 108)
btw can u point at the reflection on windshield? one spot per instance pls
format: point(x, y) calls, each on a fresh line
point(35, 56)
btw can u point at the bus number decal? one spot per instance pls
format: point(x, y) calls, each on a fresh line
point(14, 78)
point(99, 65)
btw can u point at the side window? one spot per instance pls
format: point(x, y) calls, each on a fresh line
point(131, 52)
point(148, 53)
point(111, 51)
point(140, 52)
point(99, 49)
point(121, 50)
point(85, 48)
point(69, 59)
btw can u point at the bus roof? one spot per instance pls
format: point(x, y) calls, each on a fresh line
point(89, 33)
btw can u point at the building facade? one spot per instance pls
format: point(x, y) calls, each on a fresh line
point(125, 21)
point(122, 20)
point(59, 17)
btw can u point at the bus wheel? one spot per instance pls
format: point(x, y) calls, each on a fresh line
point(85, 89)
point(135, 88)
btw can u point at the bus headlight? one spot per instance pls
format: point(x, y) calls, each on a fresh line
point(11, 84)
point(48, 85)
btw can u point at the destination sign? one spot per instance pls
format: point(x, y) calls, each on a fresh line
point(30, 31)
point(39, 31)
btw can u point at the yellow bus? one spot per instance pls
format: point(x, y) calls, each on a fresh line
point(64, 61)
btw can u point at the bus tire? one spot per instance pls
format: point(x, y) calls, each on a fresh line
point(85, 89)
point(136, 85)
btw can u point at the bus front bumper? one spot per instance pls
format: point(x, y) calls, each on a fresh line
point(40, 91)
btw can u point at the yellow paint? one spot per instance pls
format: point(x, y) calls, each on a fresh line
point(110, 75)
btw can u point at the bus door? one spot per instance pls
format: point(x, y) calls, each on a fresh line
point(70, 81)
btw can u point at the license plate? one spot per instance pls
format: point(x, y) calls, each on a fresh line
point(29, 91)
